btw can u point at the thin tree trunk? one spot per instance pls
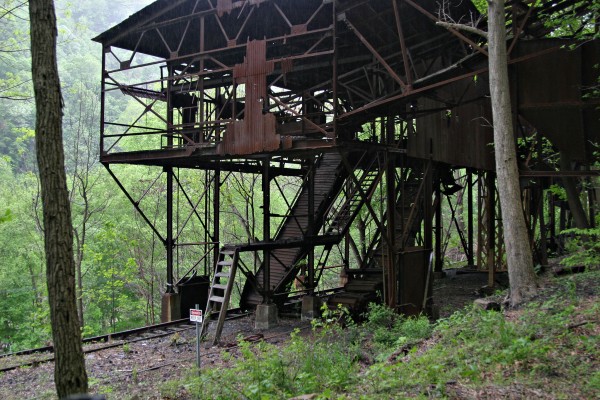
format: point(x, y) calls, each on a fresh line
point(69, 373)
point(518, 252)
point(575, 205)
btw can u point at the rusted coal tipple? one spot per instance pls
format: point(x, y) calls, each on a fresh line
point(369, 104)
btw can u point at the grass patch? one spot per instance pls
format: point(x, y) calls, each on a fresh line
point(550, 347)
point(322, 363)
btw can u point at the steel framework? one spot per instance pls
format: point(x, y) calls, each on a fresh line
point(367, 105)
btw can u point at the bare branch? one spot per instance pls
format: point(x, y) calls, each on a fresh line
point(462, 27)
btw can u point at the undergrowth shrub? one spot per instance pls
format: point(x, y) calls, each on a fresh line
point(323, 362)
point(550, 343)
point(538, 345)
point(584, 248)
point(391, 330)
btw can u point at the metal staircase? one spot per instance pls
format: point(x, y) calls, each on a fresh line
point(409, 211)
point(340, 192)
point(342, 212)
point(328, 180)
point(364, 282)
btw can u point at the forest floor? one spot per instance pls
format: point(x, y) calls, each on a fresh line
point(143, 369)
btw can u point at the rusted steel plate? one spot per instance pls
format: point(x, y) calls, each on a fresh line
point(224, 7)
point(257, 131)
point(551, 90)
point(458, 135)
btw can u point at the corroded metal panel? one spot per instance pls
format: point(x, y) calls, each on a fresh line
point(551, 93)
point(257, 131)
point(456, 135)
point(224, 7)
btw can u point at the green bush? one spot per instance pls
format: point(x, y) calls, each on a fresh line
point(584, 248)
point(317, 364)
point(391, 330)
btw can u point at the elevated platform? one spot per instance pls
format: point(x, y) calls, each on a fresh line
point(366, 108)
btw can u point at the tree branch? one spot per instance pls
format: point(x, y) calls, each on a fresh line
point(462, 27)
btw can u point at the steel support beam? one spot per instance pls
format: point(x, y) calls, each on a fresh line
point(266, 189)
point(170, 244)
point(311, 229)
point(390, 174)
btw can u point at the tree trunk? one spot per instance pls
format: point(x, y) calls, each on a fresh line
point(518, 252)
point(575, 205)
point(69, 373)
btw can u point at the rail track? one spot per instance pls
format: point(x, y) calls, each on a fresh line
point(40, 355)
point(36, 356)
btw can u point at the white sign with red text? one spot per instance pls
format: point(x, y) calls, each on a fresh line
point(195, 315)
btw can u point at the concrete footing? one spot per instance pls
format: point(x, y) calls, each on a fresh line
point(170, 307)
point(266, 316)
point(311, 307)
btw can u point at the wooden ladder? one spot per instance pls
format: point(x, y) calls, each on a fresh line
point(220, 290)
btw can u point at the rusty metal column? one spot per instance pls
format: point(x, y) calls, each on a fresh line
point(591, 192)
point(390, 176)
point(552, 215)
point(102, 99)
point(427, 195)
point(169, 172)
point(491, 238)
point(169, 242)
point(266, 188)
point(216, 237)
point(335, 71)
point(311, 229)
point(439, 265)
point(470, 231)
point(543, 228)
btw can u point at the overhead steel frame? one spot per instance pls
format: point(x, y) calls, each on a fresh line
point(207, 108)
point(180, 80)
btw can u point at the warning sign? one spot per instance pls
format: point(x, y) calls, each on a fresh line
point(195, 315)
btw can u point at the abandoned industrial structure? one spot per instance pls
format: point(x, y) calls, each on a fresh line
point(379, 116)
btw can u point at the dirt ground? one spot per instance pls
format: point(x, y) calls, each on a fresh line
point(137, 370)
point(460, 288)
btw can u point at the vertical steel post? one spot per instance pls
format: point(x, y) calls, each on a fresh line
point(198, 327)
point(552, 212)
point(491, 238)
point(427, 195)
point(169, 173)
point(216, 237)
point(543, 227)
point(102, 99)
point(335, 72)
point(470, 230)
point(311, 228)
point(591, 194)
point(201, 109)
point(169, 241)
point(438, 228)
point(266, 188)
point(390, 175)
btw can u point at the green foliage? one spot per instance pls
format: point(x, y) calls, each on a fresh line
point(549, 345)
point(481, 5)
point(391, 330)
point(112, 303)
point(558, 191)
point(315, 364)
point(479, 347)
point(7, 216)
point(584, 246)
point(571, 24)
